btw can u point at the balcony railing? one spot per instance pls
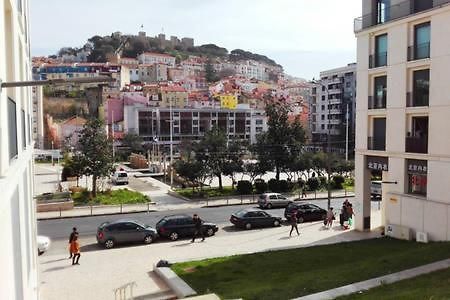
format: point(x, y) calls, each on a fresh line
point(376, 103)
point(378, 60)
point(412, 101)
point(419, 51)
point(415, 144)
point(394, 12)
point(376, 143)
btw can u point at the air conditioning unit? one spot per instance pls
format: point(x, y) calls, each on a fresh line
point(398, 232)
point(422, 237)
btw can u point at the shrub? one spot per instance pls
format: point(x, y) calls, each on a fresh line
point(350, 181)
point(66, 172)
point(313, 183)
point(301, 183)
point(322, 182)
point(338, 180)
point(260, 186)
point(283, 186)
point(244, 187)
point(274, 185)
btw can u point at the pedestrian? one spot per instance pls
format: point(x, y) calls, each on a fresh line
point(75, 249)
point(72, 235)
point(343, 216)
point(350, 214)
point(294, 221)
point(304, 192)
point(198, 228)
point(330, 217)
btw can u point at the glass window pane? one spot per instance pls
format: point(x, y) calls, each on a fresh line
point(12, 128)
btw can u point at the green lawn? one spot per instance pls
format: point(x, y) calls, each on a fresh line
point(434, 286)
point(122, 196)
point(209, 192)
point(292, 273)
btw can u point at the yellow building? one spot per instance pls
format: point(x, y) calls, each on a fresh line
point(228, 101)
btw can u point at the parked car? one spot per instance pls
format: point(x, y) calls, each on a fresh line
point(269, 200)
point(375, 188)
point(124, 231)
point(43, 243)
point(251, 217)
point(120, 177)
point(176, 226)
point(305, 212)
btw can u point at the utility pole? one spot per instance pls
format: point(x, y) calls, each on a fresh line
point(346, 134)
point(171, 145)
point(328, 150)
point(112, 127)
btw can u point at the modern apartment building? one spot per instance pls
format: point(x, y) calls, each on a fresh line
point(156, 58)
point(403, 109)
point(332, 98)
point(18, 261)
point(190, 124)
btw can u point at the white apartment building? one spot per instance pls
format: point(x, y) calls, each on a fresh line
point(38, 117)
point(402, 114)
point(156, 58)
point(18, 261)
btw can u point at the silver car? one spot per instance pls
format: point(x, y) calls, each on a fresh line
point(269, 200)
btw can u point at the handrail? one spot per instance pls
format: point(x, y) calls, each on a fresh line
point(122, 290)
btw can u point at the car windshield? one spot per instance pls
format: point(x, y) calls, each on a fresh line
point(161, 222)
point(122, 175)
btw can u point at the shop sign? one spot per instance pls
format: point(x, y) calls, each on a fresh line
point(377, 163)
point(417, 166)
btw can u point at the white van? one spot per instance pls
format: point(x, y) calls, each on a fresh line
point(120, 177)
point(375, 189)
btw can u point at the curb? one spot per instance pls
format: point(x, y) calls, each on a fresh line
point(175, 283)
point(95, 215)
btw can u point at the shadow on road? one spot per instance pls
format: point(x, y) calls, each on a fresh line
point(54, 260)
point(183, 245)
point(69, 264)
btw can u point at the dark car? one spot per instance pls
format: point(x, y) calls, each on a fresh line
point(176, 226)
point(251, 217)
point(305, 212)
point(124, 231)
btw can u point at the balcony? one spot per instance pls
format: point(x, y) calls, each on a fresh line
point(419, 51)
point(378, 60)
point(394, 12)
point(412, 101)
point(415, 144)
point(376, 143)
point(376, 103)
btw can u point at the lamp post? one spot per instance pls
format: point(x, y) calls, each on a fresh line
point(52, 155)
point(171, 145)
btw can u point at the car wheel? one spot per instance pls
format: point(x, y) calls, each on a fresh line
point(109, 244)
point(148, 239)
point(300, 220)
point(276, 223)
point(173, 236)
point(248, 226)
point(269, 206)
point(210, 232)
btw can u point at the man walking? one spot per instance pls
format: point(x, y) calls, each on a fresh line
point(294, 221)
point(198, 228)
point(72, 236)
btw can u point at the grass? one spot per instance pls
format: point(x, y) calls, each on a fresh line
point(435, 286)
point(293, 273)
point(209, 192)
point(113, 197)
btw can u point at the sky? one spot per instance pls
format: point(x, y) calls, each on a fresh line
point(304, 36)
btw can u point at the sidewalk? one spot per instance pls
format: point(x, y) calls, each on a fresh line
point(166, 202)
point(101, 271)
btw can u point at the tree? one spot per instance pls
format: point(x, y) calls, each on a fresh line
point(210, 73)
point(191, 171)
point(133, 141)
point(234, 162)
point(283, 141)
point(226, 73)
point(212, 152)
point(95, 152)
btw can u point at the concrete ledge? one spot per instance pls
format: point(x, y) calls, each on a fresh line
point(175, 283)
point(54, 206)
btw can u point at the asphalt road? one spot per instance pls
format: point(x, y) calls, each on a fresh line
point(87, 226)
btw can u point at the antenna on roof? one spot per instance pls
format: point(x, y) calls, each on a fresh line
point(142, 26)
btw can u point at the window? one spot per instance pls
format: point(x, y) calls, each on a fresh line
point(322, 117)
point(323, 107)
point(12, 128)
point(421, 87)
point(259, 122)
point(417, 176)
point(322, 126)
point(380, 90)
point(382, 11)
point(381, 50)
point(422, 41)
point(24, 131)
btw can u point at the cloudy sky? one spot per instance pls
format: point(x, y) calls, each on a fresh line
point(305, 36)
